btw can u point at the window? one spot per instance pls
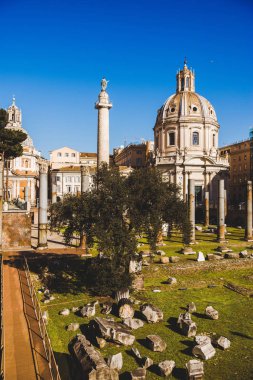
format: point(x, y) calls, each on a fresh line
point(245, 157)
point(138, 152)
point(68, 189)
point(58, 178)
point(59, 154)
point(195, 138)
point(182, 84)
point(172, 138)
point(187, 82)
point(213, 139)
point(66, 154)
point(195, 109)
point(73, 154)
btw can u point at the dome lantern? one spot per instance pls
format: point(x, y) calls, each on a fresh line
point(185, 79)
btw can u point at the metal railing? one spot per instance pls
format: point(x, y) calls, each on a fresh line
point(2, 324)
point(43, 330)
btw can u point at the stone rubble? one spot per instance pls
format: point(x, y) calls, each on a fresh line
point(133, 323)
point(151, 313)
point(172, 281)
point(204, 351)
point(202, 339)
point(64, 312)
point(195, 369)
point(146, 362)
point(106, 307)
point(201, 257)
point(115, 361)
point(191, 308)
point(126, 310)
point(166, 367)
point(73, 327)
point(222, 342)
point(164, 260)
point(174, 259)
point(138, 374)
point(112, 331)
point(155, 343)
point(88, 310)
point(212, 313)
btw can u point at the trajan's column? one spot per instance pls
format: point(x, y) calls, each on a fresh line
point(103, 106)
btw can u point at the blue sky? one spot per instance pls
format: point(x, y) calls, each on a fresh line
point(55, 52)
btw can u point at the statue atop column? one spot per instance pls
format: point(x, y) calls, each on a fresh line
point(104, 83)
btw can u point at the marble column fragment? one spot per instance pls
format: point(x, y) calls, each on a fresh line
point(85, 179)
point(1, 201)
point(191, 208)
point(248, 229)
point(54, 188)
point(221, 212)
point(207, 222)
point(43, 202)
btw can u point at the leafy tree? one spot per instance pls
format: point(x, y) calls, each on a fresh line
point(153, 202)
point(74, 215)
point(10, 143)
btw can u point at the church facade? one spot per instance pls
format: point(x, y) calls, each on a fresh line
point(186, 140)
point(23, 172)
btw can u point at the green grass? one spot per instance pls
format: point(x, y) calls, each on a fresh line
point(235, 313)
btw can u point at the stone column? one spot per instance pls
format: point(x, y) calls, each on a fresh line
point(221, 213)
point(27, 201)
point(248, 229)
point(191, 208)
point(42, 242)
point(207, 222)
point(1, 201)
point(103, 106)
point(85, 179)
point(225, 204)
point(53, 188)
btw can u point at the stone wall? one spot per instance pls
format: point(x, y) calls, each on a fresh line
point(16, 230)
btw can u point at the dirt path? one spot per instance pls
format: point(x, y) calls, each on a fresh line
point(25, 357)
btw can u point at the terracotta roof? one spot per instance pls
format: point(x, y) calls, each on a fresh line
point(85, 154)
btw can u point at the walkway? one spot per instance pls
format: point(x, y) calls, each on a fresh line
point(25, 357)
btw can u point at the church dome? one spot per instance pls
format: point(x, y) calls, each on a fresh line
point(186, 104)
point(187, 121)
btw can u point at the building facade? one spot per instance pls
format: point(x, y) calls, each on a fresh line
point(239, 157)
point(23, 172)
point(134, 155)
point(186, 139)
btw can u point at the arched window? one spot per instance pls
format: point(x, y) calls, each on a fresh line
point(213, 140)
point(182, 84)
point(195, 138)
point(187, 83)
point(172, 138)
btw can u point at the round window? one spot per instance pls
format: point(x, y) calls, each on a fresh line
point(172, 109)
point(195, 109)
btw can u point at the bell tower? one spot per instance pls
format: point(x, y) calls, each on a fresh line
point(185, 79)
point(14, 116)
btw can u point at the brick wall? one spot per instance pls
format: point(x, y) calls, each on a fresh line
point(16, 230)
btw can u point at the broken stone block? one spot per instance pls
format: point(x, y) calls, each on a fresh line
point(138, 374)
point(183, 317)
point(113, 331)
point(104, 373)
point(195, 369)
point(204, 351)
point(223, 249)
point(146, 362)
point(213, 257)
point(191, 307)
point(64, 312)
point(101, 342)
point(144, 253)
point(106, 308)
point(198, 228)
point(202, 339)
point(73, 327)
point(187, 251)
point(122, 293)
point(151, 313)
point(115, 361)
point(136, 352)
point(164, 260)
point(156, 290)
point(160, 253)
point(172, 280)
point(243, 254)
point(135, 265)
point(231, 255)
point(174, 259)
point(166, 367)
point(222, 343)
point(155, 343)
point(212, 313)
point(74, 309)
point(189, 328)
point(88, 357)
point(138, 282)
point(126, 309)
point(88, 310)
point(201, 256)
point(145, 263)
point(133, 323)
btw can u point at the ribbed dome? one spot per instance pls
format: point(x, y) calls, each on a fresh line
point(186, 104)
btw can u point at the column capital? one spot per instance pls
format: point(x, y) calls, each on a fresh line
point(43, 167)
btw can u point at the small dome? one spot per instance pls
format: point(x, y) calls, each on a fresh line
point(186, 104)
